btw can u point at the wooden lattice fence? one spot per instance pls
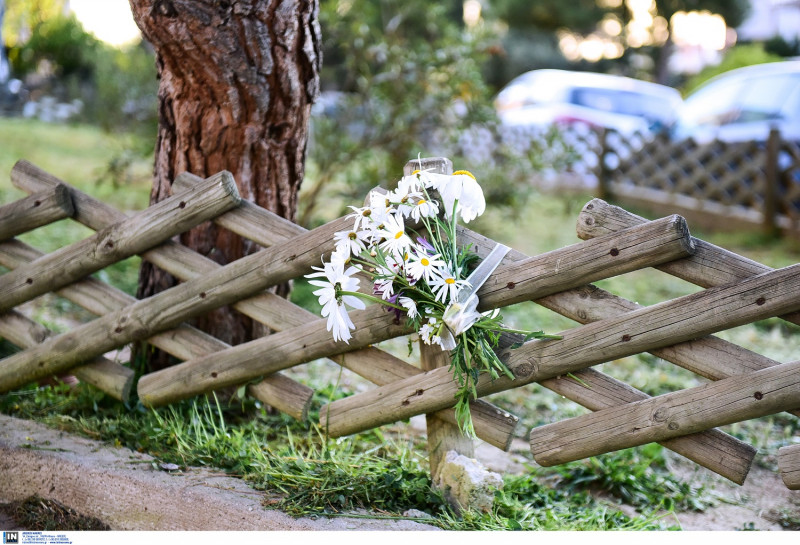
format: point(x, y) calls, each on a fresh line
point(716, 184)
point(737, 291)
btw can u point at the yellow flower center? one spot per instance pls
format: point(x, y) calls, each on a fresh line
point(367, 213)
point(352, 236)
point(398, 235)
point(424, 262)
point(421, 201)
point(466, 172)
point(416, 172)
point(449, 281)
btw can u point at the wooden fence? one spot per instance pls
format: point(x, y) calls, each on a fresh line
point(716, 184)
point(737, 291)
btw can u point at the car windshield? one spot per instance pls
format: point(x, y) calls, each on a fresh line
point(621, 102)
point(754, 99)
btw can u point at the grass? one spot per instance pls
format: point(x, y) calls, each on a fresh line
point(308, 474)
point(385, 471)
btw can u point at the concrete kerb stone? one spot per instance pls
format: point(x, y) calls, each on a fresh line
point(129, 491)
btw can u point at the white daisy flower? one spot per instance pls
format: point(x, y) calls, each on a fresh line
point(362, 216)
point(330, 297)
point(410, 306)
point(445, 284)
point(422, 265)
point(395, 239)
point(423, 208)
point(353, 242)
point(460, 190)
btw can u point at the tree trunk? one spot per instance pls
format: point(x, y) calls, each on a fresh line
point(237, 80)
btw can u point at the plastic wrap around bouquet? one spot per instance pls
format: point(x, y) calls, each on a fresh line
point(405, 241)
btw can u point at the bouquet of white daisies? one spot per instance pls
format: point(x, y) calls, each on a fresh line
point(405, 241)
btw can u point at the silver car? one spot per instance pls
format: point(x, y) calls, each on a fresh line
point(744, 104)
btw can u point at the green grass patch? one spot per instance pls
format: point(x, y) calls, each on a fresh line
point(306, 473)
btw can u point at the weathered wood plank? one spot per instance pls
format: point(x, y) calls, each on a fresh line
point(134, 235)
point(710, 357)
point(579, 264)
point(184, 342)
point(712, 449)
point(179, 261)
point(35, 211)
point(670, 415)
point(112, 378)
point(789, 465)
point(165, 310)
point(239, 365)
point(492, 424)
point(707, 266)
point(248, 219)
point(284, 394)
point(661, 325)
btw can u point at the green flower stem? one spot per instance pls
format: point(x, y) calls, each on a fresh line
point(370, 298)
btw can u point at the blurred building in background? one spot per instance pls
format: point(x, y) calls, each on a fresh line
point(771, 18)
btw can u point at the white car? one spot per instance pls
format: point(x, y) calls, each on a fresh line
point(744, 104)
point(545, 97)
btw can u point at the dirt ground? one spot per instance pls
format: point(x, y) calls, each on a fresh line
point(762, 503)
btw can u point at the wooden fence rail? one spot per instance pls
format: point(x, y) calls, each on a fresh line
point(736, 291)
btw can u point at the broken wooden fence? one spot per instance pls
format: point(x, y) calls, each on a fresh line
point(738, 291)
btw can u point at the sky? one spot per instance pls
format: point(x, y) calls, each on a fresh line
point(110, 20)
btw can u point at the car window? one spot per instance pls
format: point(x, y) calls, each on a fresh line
point(743, 100)
point(621, 102)
point(765, 98)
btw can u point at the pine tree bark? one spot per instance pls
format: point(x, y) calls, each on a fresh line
point(236, 84)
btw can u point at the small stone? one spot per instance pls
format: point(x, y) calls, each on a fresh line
point(467, 484)
point(416, 514)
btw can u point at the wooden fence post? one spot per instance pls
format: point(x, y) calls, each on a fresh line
point(771, 182)
point(442, 436)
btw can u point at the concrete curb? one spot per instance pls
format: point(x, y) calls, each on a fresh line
point(123, 489)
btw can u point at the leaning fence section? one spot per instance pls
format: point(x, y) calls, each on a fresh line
point(715, 184)
point(744, 385)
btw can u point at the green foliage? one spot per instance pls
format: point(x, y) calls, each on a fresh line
point(551, 15)
point(304, 472)
point(409, 82)
point(60, 41)
point(778, 45)
point(737, 57)
point(23, 15)
point(124, 98)
point(636, 476)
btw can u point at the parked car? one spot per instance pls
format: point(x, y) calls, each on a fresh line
point(744, 104)
point(546, 97)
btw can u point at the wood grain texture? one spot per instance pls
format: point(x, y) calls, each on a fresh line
point(708, 266)
point(712, 449)
point(185, 342)
point(35, 211)
point(670, 415)
point(492, 424)
point(108, 376)
point(657, 326)
point(116, 242)
point(183, 381)
point(789, 466)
